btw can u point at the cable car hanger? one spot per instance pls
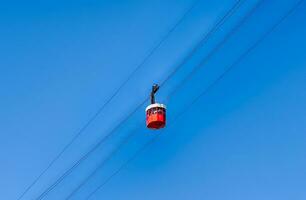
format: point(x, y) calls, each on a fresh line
point(155, 112)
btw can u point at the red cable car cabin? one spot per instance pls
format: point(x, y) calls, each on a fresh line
point(156, 116)
point(156, 112)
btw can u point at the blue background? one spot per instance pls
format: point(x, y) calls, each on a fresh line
point(244, 139)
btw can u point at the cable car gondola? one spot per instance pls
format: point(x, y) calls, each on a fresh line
point(155, 112)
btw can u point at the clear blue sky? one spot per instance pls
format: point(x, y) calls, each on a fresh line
point(244, 139)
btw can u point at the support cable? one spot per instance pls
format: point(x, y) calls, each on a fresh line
point(238, 61)
point(85, 156)
point(92, 119)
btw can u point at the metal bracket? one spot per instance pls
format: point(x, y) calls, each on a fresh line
point(155, 88)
